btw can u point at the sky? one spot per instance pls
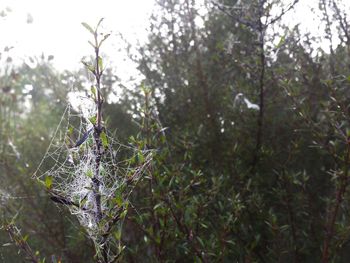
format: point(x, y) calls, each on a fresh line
point(307, 14)
point(34, 27)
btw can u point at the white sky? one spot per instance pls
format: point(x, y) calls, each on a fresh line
point(56, 27)
point(310, 20)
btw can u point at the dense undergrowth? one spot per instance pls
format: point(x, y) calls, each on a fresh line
point(240, 144)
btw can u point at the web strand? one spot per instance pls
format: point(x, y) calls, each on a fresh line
point(68, 171)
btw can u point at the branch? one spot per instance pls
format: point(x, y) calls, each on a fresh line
point(185, 230)
point(245, 22)
point(235, 17)
point(344, 182)
point(21, 242)
point(342, 22)
point(284, 11)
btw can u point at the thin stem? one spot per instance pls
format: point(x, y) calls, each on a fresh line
point(260, 120)
point(17, 238)
point(329, 35)
point(97, 133)
point(189, 233)
point(344, 181)
point(99, 151)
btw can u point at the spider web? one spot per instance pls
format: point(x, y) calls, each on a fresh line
point(67, 170)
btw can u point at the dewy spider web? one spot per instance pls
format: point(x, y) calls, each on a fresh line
point(67, 171)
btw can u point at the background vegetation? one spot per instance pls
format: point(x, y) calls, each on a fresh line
point(249, 123)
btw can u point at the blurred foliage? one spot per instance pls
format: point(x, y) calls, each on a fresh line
point(206, 197)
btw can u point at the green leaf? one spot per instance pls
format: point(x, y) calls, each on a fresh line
point(93, 120)
point(123, 214)
point(48, 182)
point(119, 201)
point(146, 90)
point(89, 66)
point(117, 234)
point(200, 241)
point(140, 157)
point(99, 23)
point(93, 91)
point(100, 63)
point(7, 244)
point(89, 28)
point(70, 130)
point(104, 38)
point(89, 174)
point(204, 225)
point(157, 206)
point(82, 202)
point(282, 41)
point(104, 139)
point(158, 239)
